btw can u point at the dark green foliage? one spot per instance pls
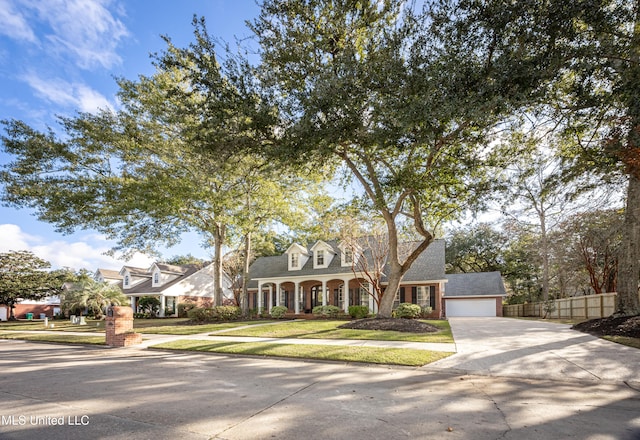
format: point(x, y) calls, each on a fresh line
point(150, 305)
point(326, 311)
point(358, 312)
point(278, 312)
point(213, 314)
point(408, 311)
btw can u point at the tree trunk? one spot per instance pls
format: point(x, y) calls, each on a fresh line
point(386, 302)
point(218, 241)
point(545, 255)
point(627, 303)
point(244, 295)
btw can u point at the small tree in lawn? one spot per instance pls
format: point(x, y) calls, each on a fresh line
point(92, 296)
point(150, 305)
point(366, 244)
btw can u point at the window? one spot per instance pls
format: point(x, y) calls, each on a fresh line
point(294, 260)
point(348, 256)
point(156, 278)
point(319, 258)
point(126, 280)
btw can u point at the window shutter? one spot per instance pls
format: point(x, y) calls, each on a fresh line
point(432, 297)
point(414, 295)
point(402, 299)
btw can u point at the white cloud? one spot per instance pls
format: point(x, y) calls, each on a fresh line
point(84, 30)
point(64, 93)
point(83, 253)
point(14, 24)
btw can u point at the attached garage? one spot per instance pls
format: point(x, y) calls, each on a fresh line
point(473, 294)
point(470, 307)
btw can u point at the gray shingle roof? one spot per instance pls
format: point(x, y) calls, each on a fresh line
point(429, 266)
point(146, 286)
point(474, 284)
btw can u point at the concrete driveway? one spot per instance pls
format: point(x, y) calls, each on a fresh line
point(537, 350)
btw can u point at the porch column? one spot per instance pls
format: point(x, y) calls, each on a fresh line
point(133, 303)
point(296, 297)
point(259, 296)
point(324, 293)
point(345, 295)
point(372, 303)
point(278, 294)
point(270, 297)
point(163, 305)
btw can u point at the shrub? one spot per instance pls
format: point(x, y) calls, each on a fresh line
point(426, 311)
point(358, 312)
point(408, 311)
point(150, 305)
point(183, 309)
point(326, 311)
point(278, 312)
point(219, 313)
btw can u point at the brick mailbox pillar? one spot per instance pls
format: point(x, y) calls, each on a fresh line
point(119, 327)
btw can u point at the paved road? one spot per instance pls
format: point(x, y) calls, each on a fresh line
point(99, 393)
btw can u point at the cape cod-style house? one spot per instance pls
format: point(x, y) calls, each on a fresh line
point(325, 274)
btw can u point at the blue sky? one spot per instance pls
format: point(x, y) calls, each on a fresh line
point(58, 57)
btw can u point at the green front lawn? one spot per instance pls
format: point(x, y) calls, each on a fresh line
point(61, 338)
point(58, 325)
point(371, 355)
point(321, 329)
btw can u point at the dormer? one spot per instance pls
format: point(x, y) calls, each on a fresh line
point(322, 255)
point(132, 276)
point(297, 256)
point(349, 253)
point(163, 273)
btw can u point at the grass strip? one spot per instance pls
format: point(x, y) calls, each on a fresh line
point(371, 355)
point(192, 329)
point(624, 340)
point(321, 329)
point(61, 338)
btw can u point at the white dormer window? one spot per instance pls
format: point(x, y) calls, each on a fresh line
point(320, 258)
point(348, 256)
point(297, 257)
point(156, 278)
point(126, 280)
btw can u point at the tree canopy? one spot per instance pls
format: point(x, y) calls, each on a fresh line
point(24, 276)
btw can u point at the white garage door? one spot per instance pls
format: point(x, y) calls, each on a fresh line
point(471, 307)
point(3, 313)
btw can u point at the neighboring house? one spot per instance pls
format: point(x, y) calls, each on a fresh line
point(46, 307)
point(172, 284)
point(108, 276)
point(324, 274)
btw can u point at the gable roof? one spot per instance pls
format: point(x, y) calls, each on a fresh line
point(108, 273)
point(474, 284)
point(428, 266)
point(146, 286)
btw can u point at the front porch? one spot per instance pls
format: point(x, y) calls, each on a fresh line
point(302, 296)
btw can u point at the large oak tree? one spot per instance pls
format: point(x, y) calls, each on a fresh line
point(402, 100)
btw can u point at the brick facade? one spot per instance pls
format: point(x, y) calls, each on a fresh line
point(119, 328)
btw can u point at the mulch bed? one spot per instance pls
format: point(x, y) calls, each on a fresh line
point(395, 324)
point(611, 326)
